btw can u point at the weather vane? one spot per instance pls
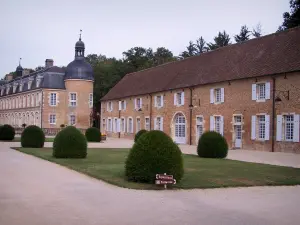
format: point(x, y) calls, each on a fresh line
point(80, 35)
point(20, 61)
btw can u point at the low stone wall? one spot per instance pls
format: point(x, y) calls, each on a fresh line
point(47, 131)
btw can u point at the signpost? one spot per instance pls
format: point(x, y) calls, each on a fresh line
point(164, 179)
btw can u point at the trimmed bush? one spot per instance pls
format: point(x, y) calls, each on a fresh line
point(153, 153)
point(70, 143)
point(212, 145)
point(7, 132)
point(32, 137)
point(139, 134)
point(93, 134)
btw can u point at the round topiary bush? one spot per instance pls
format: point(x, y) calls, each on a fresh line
point(212, 145)
point(70, 143)
point(7, 133)
point(93, 134)
point(139, 134)
point(154, 153)
point(32, 137)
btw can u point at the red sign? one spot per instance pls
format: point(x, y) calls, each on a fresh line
point(164, 177)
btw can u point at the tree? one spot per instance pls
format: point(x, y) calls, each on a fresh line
point(243, 35)
point(162, 55)
point(139, 57)
point(200, 46)
point(256, 32)
point(221, 40)
point(191, 50)
point(291, 19)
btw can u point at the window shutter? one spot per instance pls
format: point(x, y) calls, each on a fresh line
point(211, 123)
point(120, 107)
point(155, 127)
point(162, 100)
point(296, 127)
point(119, 125)
point(222, 95)
point(254, 97)
point(127, 125)
point(182, 98)
point(175, 98)
point(113, 125)
point(268, 90)
point(279, 128)
point(212, 96)
point(162, 124)
point(141, 102)
point(267, 136)
point(112, 106)
point(222, 126)
point(124, 104)
point(155, 101)
point(253, 127)
point(135, 103)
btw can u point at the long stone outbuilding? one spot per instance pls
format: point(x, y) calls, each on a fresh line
point(249, 92)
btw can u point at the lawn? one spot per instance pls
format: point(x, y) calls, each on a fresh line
point(108, 165)
point(47, 139)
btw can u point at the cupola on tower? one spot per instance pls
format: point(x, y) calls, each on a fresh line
point(79, 78)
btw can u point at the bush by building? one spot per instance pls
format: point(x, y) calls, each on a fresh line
point(139, 134)
point(154, 153)
point(32, 137)
point(212, 145)
point(7, 132)
point(93, 134)
point(70, 143)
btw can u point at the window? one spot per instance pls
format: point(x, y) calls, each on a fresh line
point(158, 123)
point(138, 103)
point(53, 101)
point(109, 106)
point(179, 98)
point(52, 119)
point(261, 91)
point(32, 100)
point(115, 128)
point(217, 124)
point(200, 126)
point(138, 124)
point(122, 105)
point(28, 100)
point(109, 125)
point(159, 101)
point(17, 102)
point(147, 123)
point(37, 99)
point(72, 120)
point(217, 95)
point(261, 127)
point(73, 99)
point(289, 127)
point(103, 124)
point(130, 125)
point(24, 101)
point(123, 125)
point(91, 100)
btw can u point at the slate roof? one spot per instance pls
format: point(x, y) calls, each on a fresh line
point(271, 54)
point(52, 77)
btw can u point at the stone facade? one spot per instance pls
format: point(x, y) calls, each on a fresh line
point(230, 107)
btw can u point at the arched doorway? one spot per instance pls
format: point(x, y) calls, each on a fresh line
point(179, 125)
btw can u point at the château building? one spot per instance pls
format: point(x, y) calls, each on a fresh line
point(50, 97)
point(249, 92)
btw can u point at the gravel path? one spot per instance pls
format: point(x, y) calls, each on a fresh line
point(37, 192)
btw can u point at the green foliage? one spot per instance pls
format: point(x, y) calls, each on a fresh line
point(291, 19)
point(139, 134)
point(243, 35)
point(93, 134)
point(70, 143)
point(212, 145)
point(195, 49)
point(32, 137)
point(153, 153)
point(7, 132)
point(221, 40)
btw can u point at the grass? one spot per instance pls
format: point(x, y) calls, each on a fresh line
point(47, 139)
point(108, 165)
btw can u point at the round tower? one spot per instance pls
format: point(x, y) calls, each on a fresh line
point(79, 79)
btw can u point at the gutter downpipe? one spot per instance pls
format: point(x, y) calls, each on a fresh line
point(191, 112)
point(273, 115)
point(150, 114)
point(42, 103)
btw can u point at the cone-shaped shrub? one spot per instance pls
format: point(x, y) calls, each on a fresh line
point(7, 132)
point(70, 143)
point(153, 153)
point(212, 145)
point(32, 137)
point(139, 134)
point(93, 134)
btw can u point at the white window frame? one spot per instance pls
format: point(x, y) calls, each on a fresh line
point(261, 96)
point(137, 129)
point(123, 125)
point(104, 125)
point(53, 99)
point(199, 124)
point(115, 125)
point(261, 122)
point(72, 101)
point(129, 125)
point(147, 124)
point(109, 124)
point(281, 127)
point(109, 106)
point(70, 120)
point(138, 103)
point(52, 119)
point(256, 127)
point(213, 121)
point(159, 123)
point(217, 95)
point(122, 105)
point(91, 100)
point(159, 101)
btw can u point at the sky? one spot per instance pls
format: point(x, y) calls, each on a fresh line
point(36, 30)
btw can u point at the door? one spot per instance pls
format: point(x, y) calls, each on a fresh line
point(238, 131)
point(180, 133)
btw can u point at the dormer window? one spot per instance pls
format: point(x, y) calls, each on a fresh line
point(29, 82)
point(38, 80)
point(21, 85)
point(15, 85)
point(7, 88)
point(2, 90)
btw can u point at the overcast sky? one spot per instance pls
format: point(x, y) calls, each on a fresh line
point(36, 29)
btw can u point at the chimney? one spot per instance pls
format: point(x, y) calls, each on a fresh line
point(9, 77)
point(25, 72)
point(48, 63)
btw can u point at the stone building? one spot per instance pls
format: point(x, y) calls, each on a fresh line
point(50, 97)
point(249, 92)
